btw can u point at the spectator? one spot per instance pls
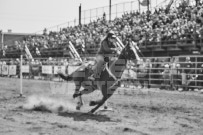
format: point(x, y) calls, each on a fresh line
point(166, 77)
point(186, 74)
point(175, 73)
point(143, 73)
point(200, 77)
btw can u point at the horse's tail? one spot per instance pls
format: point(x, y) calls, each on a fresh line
point(67, 78)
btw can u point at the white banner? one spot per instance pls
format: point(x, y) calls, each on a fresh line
point(12, 69)
point(4, 69)
point(25, 69)
point(61, 68)
point(46, 69)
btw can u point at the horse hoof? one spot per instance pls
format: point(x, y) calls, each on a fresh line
point(92, 103)
point(77, 107)
point(91, 112)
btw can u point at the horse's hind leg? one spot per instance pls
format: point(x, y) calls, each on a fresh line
point(77, 90)
point(79, 103)
point(77, 94)
point(87, 90)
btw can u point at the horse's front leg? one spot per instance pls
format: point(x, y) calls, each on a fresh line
point(99, 104)
point(106, 94)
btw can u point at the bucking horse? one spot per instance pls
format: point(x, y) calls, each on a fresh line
point(108, 82)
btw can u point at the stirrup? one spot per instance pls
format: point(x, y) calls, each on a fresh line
point(77, 94)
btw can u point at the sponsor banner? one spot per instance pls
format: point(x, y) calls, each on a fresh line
point(4, 69)
point(47, 69)
point(25, 69)
point(72, 69)
point(61, 68)
point(12, 69)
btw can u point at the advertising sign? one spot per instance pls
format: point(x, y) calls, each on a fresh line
point(47, 69)
point(4, 69)
point(12, 69)
point(61, 68)
point(25, 69)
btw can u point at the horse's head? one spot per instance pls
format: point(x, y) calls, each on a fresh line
point(129, 52)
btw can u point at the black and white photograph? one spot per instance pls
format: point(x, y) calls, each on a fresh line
point(101, 67)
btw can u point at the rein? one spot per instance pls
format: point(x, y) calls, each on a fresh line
point(113, 76)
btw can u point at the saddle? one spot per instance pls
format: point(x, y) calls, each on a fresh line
point(106, 65)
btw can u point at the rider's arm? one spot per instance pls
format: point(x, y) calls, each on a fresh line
point(107, 48)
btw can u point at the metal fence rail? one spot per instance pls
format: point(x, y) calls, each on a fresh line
point(169, 73)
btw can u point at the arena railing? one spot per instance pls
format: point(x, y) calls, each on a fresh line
point(164, 73)
point(161, 72)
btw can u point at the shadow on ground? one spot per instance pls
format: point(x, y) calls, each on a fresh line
point(81, 116)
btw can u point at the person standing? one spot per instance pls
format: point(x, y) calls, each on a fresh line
point(200, 78)
point(186, 76)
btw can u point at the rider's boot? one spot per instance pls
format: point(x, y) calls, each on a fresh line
point(92, 78)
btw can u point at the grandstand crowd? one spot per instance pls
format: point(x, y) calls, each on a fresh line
point(162, 25)
point(177, 25)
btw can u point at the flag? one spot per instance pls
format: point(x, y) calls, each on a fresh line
point(169, 6)
point(28, 54)
point(145, 2)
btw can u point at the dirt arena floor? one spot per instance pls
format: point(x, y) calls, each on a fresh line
point(49, 109)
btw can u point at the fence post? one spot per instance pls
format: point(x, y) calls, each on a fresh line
point(90, 15)
point(21, 77)
point(96, 13)
point(84, 17)
point(116, 10)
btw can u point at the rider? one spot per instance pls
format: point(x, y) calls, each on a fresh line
point(107, 49)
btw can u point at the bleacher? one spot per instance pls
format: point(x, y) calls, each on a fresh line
point(170, 33)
